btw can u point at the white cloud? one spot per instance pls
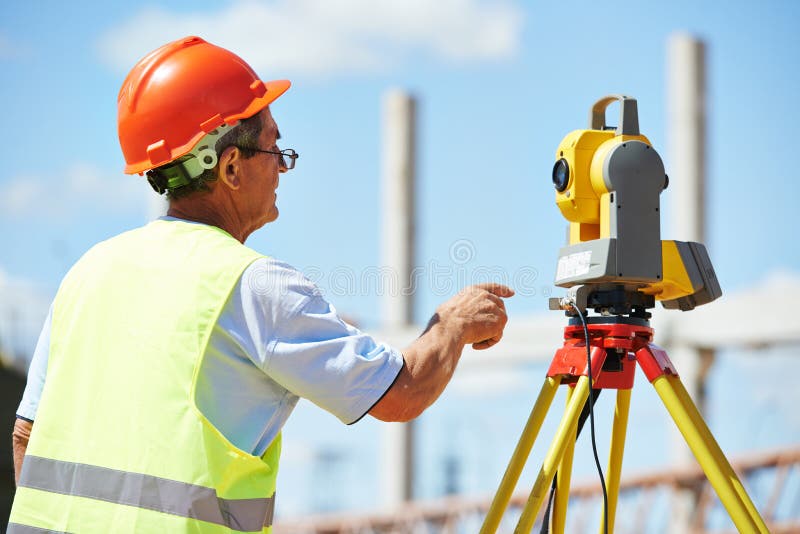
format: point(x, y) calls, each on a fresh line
point(78, 188)
point(323, 38)
point(21, 194)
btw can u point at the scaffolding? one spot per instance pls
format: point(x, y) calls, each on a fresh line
point(645, 501)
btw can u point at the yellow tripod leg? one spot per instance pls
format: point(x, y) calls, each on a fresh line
point(563, 479)
point(720, 474)
point(566, 429)
point(616, 452)
point(520, 456)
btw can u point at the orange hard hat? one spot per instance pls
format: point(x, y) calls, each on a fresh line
point(180, 92)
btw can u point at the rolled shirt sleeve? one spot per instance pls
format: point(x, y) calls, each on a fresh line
point(302, 343)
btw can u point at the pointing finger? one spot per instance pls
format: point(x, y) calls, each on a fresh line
point(496, 289)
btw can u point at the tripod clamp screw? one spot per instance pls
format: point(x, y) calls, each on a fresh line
point(575, 299)
point(561, 303)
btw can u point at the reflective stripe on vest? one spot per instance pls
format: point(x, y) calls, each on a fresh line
point(16, 528)
point(146, 491)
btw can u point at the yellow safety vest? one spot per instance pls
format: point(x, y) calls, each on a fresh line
point(119, 444)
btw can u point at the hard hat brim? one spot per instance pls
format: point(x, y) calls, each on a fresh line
point(275, 88)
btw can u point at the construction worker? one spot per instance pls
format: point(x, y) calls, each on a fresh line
point(173, 355)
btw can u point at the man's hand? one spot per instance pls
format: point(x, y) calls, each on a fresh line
point(476, 316)
point(478, 313)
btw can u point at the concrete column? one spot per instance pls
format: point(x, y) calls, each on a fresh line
point(397, 256)
point(397, 237)
point(686, 138)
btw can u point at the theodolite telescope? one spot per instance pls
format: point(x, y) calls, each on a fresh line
point(608, 181)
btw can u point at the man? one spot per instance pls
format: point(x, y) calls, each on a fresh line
point(173, 354)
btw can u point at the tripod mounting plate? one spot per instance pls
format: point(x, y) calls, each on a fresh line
point(606, 300)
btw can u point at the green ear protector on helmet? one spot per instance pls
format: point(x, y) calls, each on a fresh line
point(189, 167)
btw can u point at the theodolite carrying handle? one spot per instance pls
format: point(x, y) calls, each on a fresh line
point(628, 115)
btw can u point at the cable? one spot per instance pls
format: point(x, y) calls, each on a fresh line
point(591, 419)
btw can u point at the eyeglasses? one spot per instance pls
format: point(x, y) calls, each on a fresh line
point(288, 156)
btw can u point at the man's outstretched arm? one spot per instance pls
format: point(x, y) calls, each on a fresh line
point(475, 316)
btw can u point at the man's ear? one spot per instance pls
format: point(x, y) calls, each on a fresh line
point(229, 168)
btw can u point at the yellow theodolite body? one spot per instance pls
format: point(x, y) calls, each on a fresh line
point(608, 182)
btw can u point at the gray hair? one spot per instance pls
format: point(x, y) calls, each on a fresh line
point(243, 136)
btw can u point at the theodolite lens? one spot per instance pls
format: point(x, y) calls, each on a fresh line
point(561, 175)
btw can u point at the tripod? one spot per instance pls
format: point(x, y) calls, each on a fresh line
point(617, 345)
